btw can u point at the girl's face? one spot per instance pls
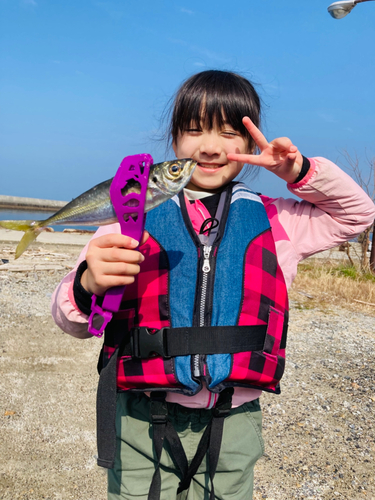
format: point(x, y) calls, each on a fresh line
point(209, 148)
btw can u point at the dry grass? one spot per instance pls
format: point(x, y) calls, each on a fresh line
point(326, 284)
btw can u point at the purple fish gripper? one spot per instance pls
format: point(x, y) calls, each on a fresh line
point(130, 211)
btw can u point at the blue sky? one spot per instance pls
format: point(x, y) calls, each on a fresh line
point(83, 83)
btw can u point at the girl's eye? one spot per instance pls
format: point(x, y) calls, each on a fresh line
point(230, 132)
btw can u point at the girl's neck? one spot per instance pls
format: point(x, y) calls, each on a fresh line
point(196, 195)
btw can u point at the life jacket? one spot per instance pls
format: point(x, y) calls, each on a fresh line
point(209, 309)
point(242, 285)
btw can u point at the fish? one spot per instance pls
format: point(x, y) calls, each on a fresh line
point(94, 207)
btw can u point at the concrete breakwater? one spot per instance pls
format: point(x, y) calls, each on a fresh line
point(21, 203)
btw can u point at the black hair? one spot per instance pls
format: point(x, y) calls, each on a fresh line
point(212, 98)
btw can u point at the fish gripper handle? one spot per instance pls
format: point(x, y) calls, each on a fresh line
point(130, 211)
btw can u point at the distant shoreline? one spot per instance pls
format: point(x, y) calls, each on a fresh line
point(74, 237)
point(22, 203)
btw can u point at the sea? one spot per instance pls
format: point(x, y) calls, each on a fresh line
point(13, 214)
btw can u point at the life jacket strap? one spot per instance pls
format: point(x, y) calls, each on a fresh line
point(159, 418)
point(210, 442)
point(162, 429)
point(144, 343)
point(106, 403)
point(220, 411)
point(106, 414)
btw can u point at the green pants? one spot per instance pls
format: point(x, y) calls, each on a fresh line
point(242, 446)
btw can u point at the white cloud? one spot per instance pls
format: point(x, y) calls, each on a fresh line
point(186, 11)
point(201, 51)
point(327, 117)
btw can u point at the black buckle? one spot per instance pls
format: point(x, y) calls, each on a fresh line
point(148, 345)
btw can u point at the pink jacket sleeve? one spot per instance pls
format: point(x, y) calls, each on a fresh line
point(334, 209)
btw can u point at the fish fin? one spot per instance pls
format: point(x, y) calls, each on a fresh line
point(31, 228)
point(26, 240)
point(16, 225)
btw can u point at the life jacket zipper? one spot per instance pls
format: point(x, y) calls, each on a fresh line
point(206, 268)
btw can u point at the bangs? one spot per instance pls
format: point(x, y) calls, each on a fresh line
point(212, 99)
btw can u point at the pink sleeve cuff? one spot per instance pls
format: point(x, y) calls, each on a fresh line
point(71, 296)
point(307, 177)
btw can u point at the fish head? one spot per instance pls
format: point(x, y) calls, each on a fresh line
point(169, 177)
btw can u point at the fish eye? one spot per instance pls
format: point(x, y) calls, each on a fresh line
point(174, 169)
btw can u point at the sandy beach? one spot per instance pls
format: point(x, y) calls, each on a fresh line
point(319, 433)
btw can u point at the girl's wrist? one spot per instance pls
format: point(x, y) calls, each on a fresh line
point(84, 281)
point(294, 174)
point(82, 297)
point(305, 168)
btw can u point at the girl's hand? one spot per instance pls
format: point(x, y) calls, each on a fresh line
point(278, 156)
point(111, 261)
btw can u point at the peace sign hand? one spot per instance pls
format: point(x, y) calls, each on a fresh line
point(278, 156)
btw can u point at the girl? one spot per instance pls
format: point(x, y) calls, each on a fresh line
point(209, 279)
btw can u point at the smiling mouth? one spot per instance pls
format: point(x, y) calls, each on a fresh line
point(211, 166)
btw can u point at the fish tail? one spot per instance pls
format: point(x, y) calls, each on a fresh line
point(26, 240)
point(31, 228)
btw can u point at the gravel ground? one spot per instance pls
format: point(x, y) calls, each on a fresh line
point(319, 433)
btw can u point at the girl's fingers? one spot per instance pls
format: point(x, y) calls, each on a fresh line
point(99, 287)
point(290, 161)
point(103, 275)
point(115, 240)
point(113, 281)
point(120, 269)
point(251, 159)
point(115, 254)
point(255, 133)
point(283, 144)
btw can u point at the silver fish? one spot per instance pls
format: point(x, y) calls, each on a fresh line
point(94, 207)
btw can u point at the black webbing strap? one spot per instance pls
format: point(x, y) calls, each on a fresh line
point(220, 411)
point(168, 342)
point(163, 429)
point(210, 442)
point(159, 418)
point(197, 459)
point(106, 414)
point(106, 400)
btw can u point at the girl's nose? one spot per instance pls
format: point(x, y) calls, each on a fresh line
point(210, 145)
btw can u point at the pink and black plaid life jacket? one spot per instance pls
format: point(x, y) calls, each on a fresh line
point(214, 313)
